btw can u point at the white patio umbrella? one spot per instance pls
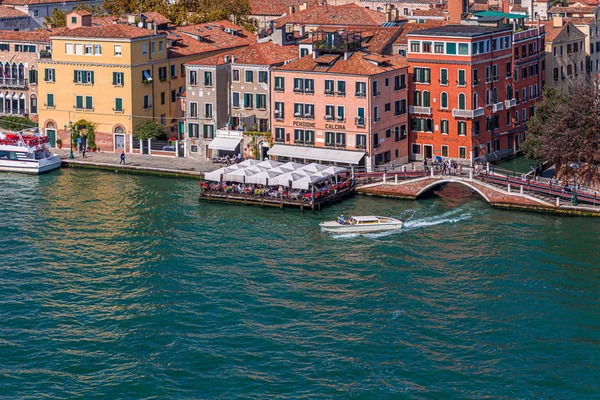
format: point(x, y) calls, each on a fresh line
point(335, 170)
point(240, 175)
point(214, 176)
point(262, 178)
point(268, 164)
point(314, 167)
point(285, 179)
point(306, 181)
point(291, 166)
point(248, 163)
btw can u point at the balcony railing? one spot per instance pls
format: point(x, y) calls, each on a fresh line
point(497, 107)
point(478, 112)
point(419, 110)
point(510, 103)
point(8, 111)
point(13, 83)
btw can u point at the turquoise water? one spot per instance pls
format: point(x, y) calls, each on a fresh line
point(123, 286)
point(520, 164)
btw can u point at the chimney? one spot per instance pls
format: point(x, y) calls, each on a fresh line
point(455, 11)
point(291, 10)
point(505, 6)
point(226, 59)
point(303, 6)
point(557, 22)
point(388, 16)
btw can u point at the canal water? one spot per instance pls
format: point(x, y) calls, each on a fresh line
point(123, 286)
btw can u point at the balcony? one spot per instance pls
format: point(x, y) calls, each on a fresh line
point(478, 112)
point(359, 121)
point(13, 83)
point(497, 107)
point(419, 110)
point(510, 103)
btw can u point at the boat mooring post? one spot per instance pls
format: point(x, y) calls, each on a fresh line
point(508, 188)
point(384, 178)
point(396, 178)
point(558, 202)
point(521, 189)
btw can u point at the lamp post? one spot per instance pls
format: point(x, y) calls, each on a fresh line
point(574, 166)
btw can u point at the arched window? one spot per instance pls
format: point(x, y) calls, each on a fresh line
point(21, 72)
point(50, 125)
point(426, 98)
point(462, 103)
point(417, 98)
point(7, 70)
point(119, 129)
point(509, 92)
point(475, 101)
point(462, 128)
point(495, 95)
point(428, 125)
point(14, 71)
point(444, 100)
point(444, 126)
point(487, 97)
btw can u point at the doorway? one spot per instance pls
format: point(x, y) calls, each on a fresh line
point(51, 133)
point(428, 151)
point(145, 147)
point(180, 148)
point(119, 142)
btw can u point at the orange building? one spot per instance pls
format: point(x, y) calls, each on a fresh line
point(461, 77)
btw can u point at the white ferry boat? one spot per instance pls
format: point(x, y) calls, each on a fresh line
point(362, 224)
point(27, 152)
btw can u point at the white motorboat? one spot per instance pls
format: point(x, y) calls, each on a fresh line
point(362, 224)
point(27, 152)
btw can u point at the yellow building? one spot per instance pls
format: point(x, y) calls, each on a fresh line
point(117, 75)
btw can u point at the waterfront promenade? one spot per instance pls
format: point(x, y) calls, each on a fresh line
point(136, 163)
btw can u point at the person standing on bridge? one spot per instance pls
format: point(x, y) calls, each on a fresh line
point(425, 168)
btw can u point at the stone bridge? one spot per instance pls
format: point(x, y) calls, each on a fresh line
point(509, 196)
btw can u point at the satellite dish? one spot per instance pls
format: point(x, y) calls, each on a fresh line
point(140, 24)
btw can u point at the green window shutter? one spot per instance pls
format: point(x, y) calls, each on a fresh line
point(30, 75)
point(114, 78)
point(122, 78)
point(75, 76)
point(92, 77)
point(444, 76)
point(46, 74)
point(50, 100)
point(79, 102)
point(190, 133)
point(88, 102)
point(118, 104)
point(422, 77)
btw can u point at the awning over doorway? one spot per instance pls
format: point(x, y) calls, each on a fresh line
point(313, 153)
point(227, 144)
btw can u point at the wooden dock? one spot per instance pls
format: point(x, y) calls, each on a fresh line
point(280, 202)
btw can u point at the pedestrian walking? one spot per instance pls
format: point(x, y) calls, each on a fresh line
point(83, 150)
point(122, 158)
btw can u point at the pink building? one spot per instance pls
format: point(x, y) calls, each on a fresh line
point(341, 105)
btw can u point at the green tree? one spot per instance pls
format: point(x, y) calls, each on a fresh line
point(57, 19)
point(148, 129)
point(566, 126)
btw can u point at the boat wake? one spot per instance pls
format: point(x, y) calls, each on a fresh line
point(449, 217)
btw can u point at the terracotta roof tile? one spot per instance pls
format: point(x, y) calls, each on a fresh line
point(156, 17)
point(349, 14)
point(518, 8)
point(571, 10)
point(432, 12)
point(114, 31)
point(214, 38)
point(267, 53)
point(551, 31)
point(9, 12)
point(357, 64)
point(277, 7)
point(37, 36)
point(83, 13)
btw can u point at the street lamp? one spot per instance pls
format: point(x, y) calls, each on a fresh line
point(574, 166)
point(71, 156)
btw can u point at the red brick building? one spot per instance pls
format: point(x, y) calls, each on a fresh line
point(461, 76)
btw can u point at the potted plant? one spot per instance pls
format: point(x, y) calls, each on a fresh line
point(59, 143)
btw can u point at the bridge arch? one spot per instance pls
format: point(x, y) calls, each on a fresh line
point(435, 183)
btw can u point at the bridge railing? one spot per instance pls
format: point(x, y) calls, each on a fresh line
point(545, 187)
